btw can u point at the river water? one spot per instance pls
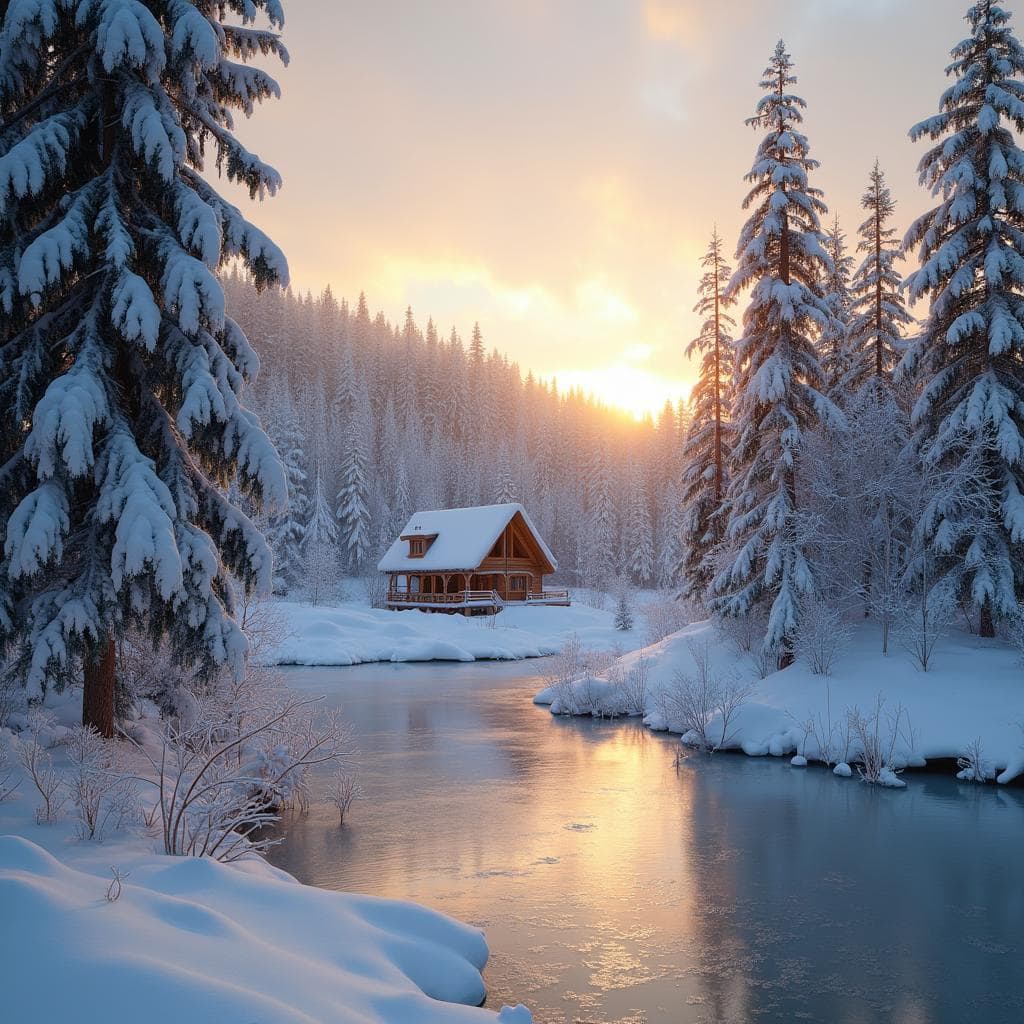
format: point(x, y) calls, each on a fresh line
point(616, 886)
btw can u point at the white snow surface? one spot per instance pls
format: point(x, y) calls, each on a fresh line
point(973, 692)
point(352, 633)
point(465, 536)
point(190, 939)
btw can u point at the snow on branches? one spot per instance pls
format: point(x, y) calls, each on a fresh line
point(121, 421)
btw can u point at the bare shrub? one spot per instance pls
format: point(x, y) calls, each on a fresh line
point(765, 661)
point(102, 794)
point(667, 616)
point(219, 784)
point(7, 786)
point(38, 766)
point(634, 688)
point(831, 738)
point(693, 700)
point(343, 791)
point(822, 636)
point(876, 734)
point(376, 589)
point(743, 634)
point(973, 765)
point(116, 884)
point(563, 670)
point(925, 620)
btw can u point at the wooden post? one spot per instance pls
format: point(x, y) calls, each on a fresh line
point(100, 678)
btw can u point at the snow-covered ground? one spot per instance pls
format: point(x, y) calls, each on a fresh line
point(352, 633)
point(191, 939)
point(975, 691)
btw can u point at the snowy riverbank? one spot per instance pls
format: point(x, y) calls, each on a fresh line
point(352, 633)
point(191, 939)
point(973, 693)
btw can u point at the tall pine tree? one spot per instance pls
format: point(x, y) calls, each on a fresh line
point(834, 342)
point(968, 357)
point(779, 380)
point(879, 313)
point(708, 440)
point(121, 424)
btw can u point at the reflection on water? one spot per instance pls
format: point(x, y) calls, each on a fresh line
point(616, 887)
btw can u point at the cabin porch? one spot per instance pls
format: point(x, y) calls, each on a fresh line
point(469, 592)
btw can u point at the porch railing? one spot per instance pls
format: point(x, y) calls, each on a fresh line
point(460, 597)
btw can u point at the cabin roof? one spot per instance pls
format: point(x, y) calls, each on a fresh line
point(463, 538)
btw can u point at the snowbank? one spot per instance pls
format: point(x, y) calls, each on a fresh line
point(190, 939)
point(352, 634)
point(975, 691)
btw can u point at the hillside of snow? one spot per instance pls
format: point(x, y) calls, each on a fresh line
point(190, 939)
point(975, 691)
point(352, 633)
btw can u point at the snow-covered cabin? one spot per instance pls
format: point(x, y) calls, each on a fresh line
point(469, 559)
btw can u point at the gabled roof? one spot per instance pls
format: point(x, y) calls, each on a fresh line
point(464, 538)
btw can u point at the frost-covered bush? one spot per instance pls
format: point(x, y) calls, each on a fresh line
point(343, 791)
point(8, 784)
point(973, 765)
point(102, 793)
point(692, 701)
point(38, 765)
point(633, 688)
point(667, 616)
point(822, 636)
point(876, 734)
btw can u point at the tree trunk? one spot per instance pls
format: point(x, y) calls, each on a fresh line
point(786, 657)
point(98, 696)
point(986, 624)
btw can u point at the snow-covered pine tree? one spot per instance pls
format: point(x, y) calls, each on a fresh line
point(353, 494)
point(638, 537)
point(968, 356)
point(287, 525)
point(879, 313)
point(707, 444)
point(320, 543)
point(121, 424)
point(779, 380)
point(834, 341)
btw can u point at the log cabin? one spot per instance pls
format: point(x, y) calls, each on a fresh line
point(470, 560)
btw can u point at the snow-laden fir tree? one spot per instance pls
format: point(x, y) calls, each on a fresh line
point(121, 424)
point(969, 356)
point(637, 534)
point(879, 314)
point(353, 494)
point(834, 342)
point(779, 380)
point(320, 544)
point(708, 439)
point(286, 526)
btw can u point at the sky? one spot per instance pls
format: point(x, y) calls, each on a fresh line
point(553, 168)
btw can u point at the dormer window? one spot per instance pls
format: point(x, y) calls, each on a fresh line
point(419, 543)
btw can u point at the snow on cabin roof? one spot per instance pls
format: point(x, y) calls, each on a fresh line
point(464, 538)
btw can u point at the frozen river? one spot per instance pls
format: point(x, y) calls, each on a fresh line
point(616, 887)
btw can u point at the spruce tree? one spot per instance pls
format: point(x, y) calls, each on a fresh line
point(879, 312)
point(968, 356)
point(834, 342)
point(708, 440)
point(320, 543)
point(778, 386)
point(353, 509)
point(121, 423)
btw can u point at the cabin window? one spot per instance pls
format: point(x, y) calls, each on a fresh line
point(417, 547)
point(517, 583)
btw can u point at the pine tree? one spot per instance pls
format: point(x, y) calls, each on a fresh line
point(779, 379)
point(286, 526)
point(121, 424)
point(638, 536)
point(834, 343)
point(707, 444)
point(320, 543)
point(879, 313)
point(353, 509)
point(968, 357)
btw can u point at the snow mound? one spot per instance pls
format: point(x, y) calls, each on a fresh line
point(354, 634)
point(193, 939)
